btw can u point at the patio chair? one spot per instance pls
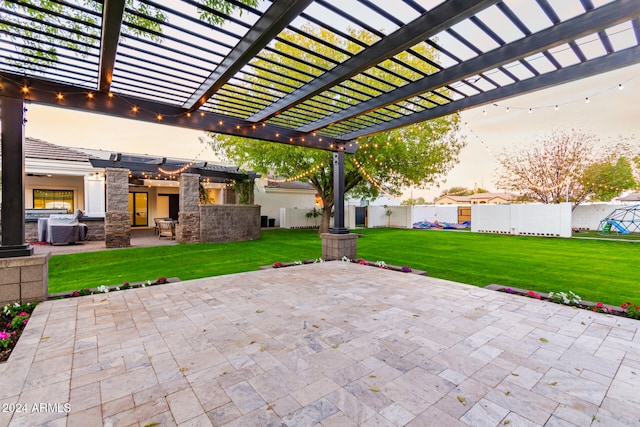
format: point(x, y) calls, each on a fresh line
point(156, 230)
point(166, 229)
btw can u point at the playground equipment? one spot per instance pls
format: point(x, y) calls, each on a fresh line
point(624, 220)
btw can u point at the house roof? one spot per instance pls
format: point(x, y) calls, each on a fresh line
point(290, 185)
point(506, 196)
point(39, 149)
point(455, 198)
point(633, 197)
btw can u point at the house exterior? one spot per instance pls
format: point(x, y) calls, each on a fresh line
point(272, 195)
point(61, 179)
point(65, 179)
point(476, 199)
point(452, 200)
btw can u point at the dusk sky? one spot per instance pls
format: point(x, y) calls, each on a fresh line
point(610, 114)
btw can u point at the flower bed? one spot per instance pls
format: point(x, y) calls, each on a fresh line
point(13, 319)
point(103, 289)
point(361, 261)
point(627, 309)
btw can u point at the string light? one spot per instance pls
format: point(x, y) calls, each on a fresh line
point(177, 171)
point(587, 100)
point(59, 96)
point(90, 95)
point(296, 177)
point(369, 178)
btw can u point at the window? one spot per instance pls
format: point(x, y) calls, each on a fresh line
point(53, 199)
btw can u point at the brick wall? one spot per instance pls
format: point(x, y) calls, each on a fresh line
point(24, 279)
point(229, 223)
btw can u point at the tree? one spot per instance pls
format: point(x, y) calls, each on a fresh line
point(418, 154)
point(461, 191)
point(606, 179)
point(412, 202)
point(565, 166)
point(550, 170)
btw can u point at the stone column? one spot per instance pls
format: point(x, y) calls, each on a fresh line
point(336, 246)
point(188, 230)
point(117, 220)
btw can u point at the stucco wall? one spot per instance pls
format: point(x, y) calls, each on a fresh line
point(229, 223)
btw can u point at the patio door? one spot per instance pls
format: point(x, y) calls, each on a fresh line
point(138, 209)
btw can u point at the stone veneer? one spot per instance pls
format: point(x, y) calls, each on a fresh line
point(188, 230)
point(229, 223)
point(24, 279)
point(117, 220)
point(336, 246)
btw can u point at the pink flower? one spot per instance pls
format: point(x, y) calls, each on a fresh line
point(4, 336)
point(532, 294)
point(22, 314)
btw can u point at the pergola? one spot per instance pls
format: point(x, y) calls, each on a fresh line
point(312, 73)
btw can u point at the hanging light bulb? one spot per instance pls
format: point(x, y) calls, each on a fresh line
point(620, 86)
point(557, 107)
point(587, 100)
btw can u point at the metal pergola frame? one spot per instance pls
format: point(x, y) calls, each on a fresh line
point(269, 70)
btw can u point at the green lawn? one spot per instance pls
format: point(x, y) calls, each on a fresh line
point(596, 270)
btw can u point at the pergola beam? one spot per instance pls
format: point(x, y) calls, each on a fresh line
point(43, 92)
point(112, 12)
point(274, 20)
point(614, 61)
point(592, 21)
point(431, 23)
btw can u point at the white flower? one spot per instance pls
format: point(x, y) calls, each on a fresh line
point(318, 260)
point(102, 289)
point(345, 259)
point(297, 263)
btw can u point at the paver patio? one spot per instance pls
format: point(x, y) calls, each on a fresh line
point(330, 344)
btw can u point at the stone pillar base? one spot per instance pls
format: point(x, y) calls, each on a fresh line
point(117, 229)
point(24, 279)
point(336, 246)
point(188, 230)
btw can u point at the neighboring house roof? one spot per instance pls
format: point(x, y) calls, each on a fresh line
point(633, 197)
point(39, 149)
point(504, 196)
point(454, 198)
point(289, 185)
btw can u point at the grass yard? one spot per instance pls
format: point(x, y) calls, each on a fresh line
point(595, 234)
point(596, 270)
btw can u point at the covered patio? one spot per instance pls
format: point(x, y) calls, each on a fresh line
point(330, 344)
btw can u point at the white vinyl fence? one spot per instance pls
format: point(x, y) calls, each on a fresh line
point(529, 219)
point(523, 219)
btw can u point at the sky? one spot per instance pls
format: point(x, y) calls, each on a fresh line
point(611, 114)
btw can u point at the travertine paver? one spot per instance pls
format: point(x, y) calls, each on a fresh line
point(320, 345)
